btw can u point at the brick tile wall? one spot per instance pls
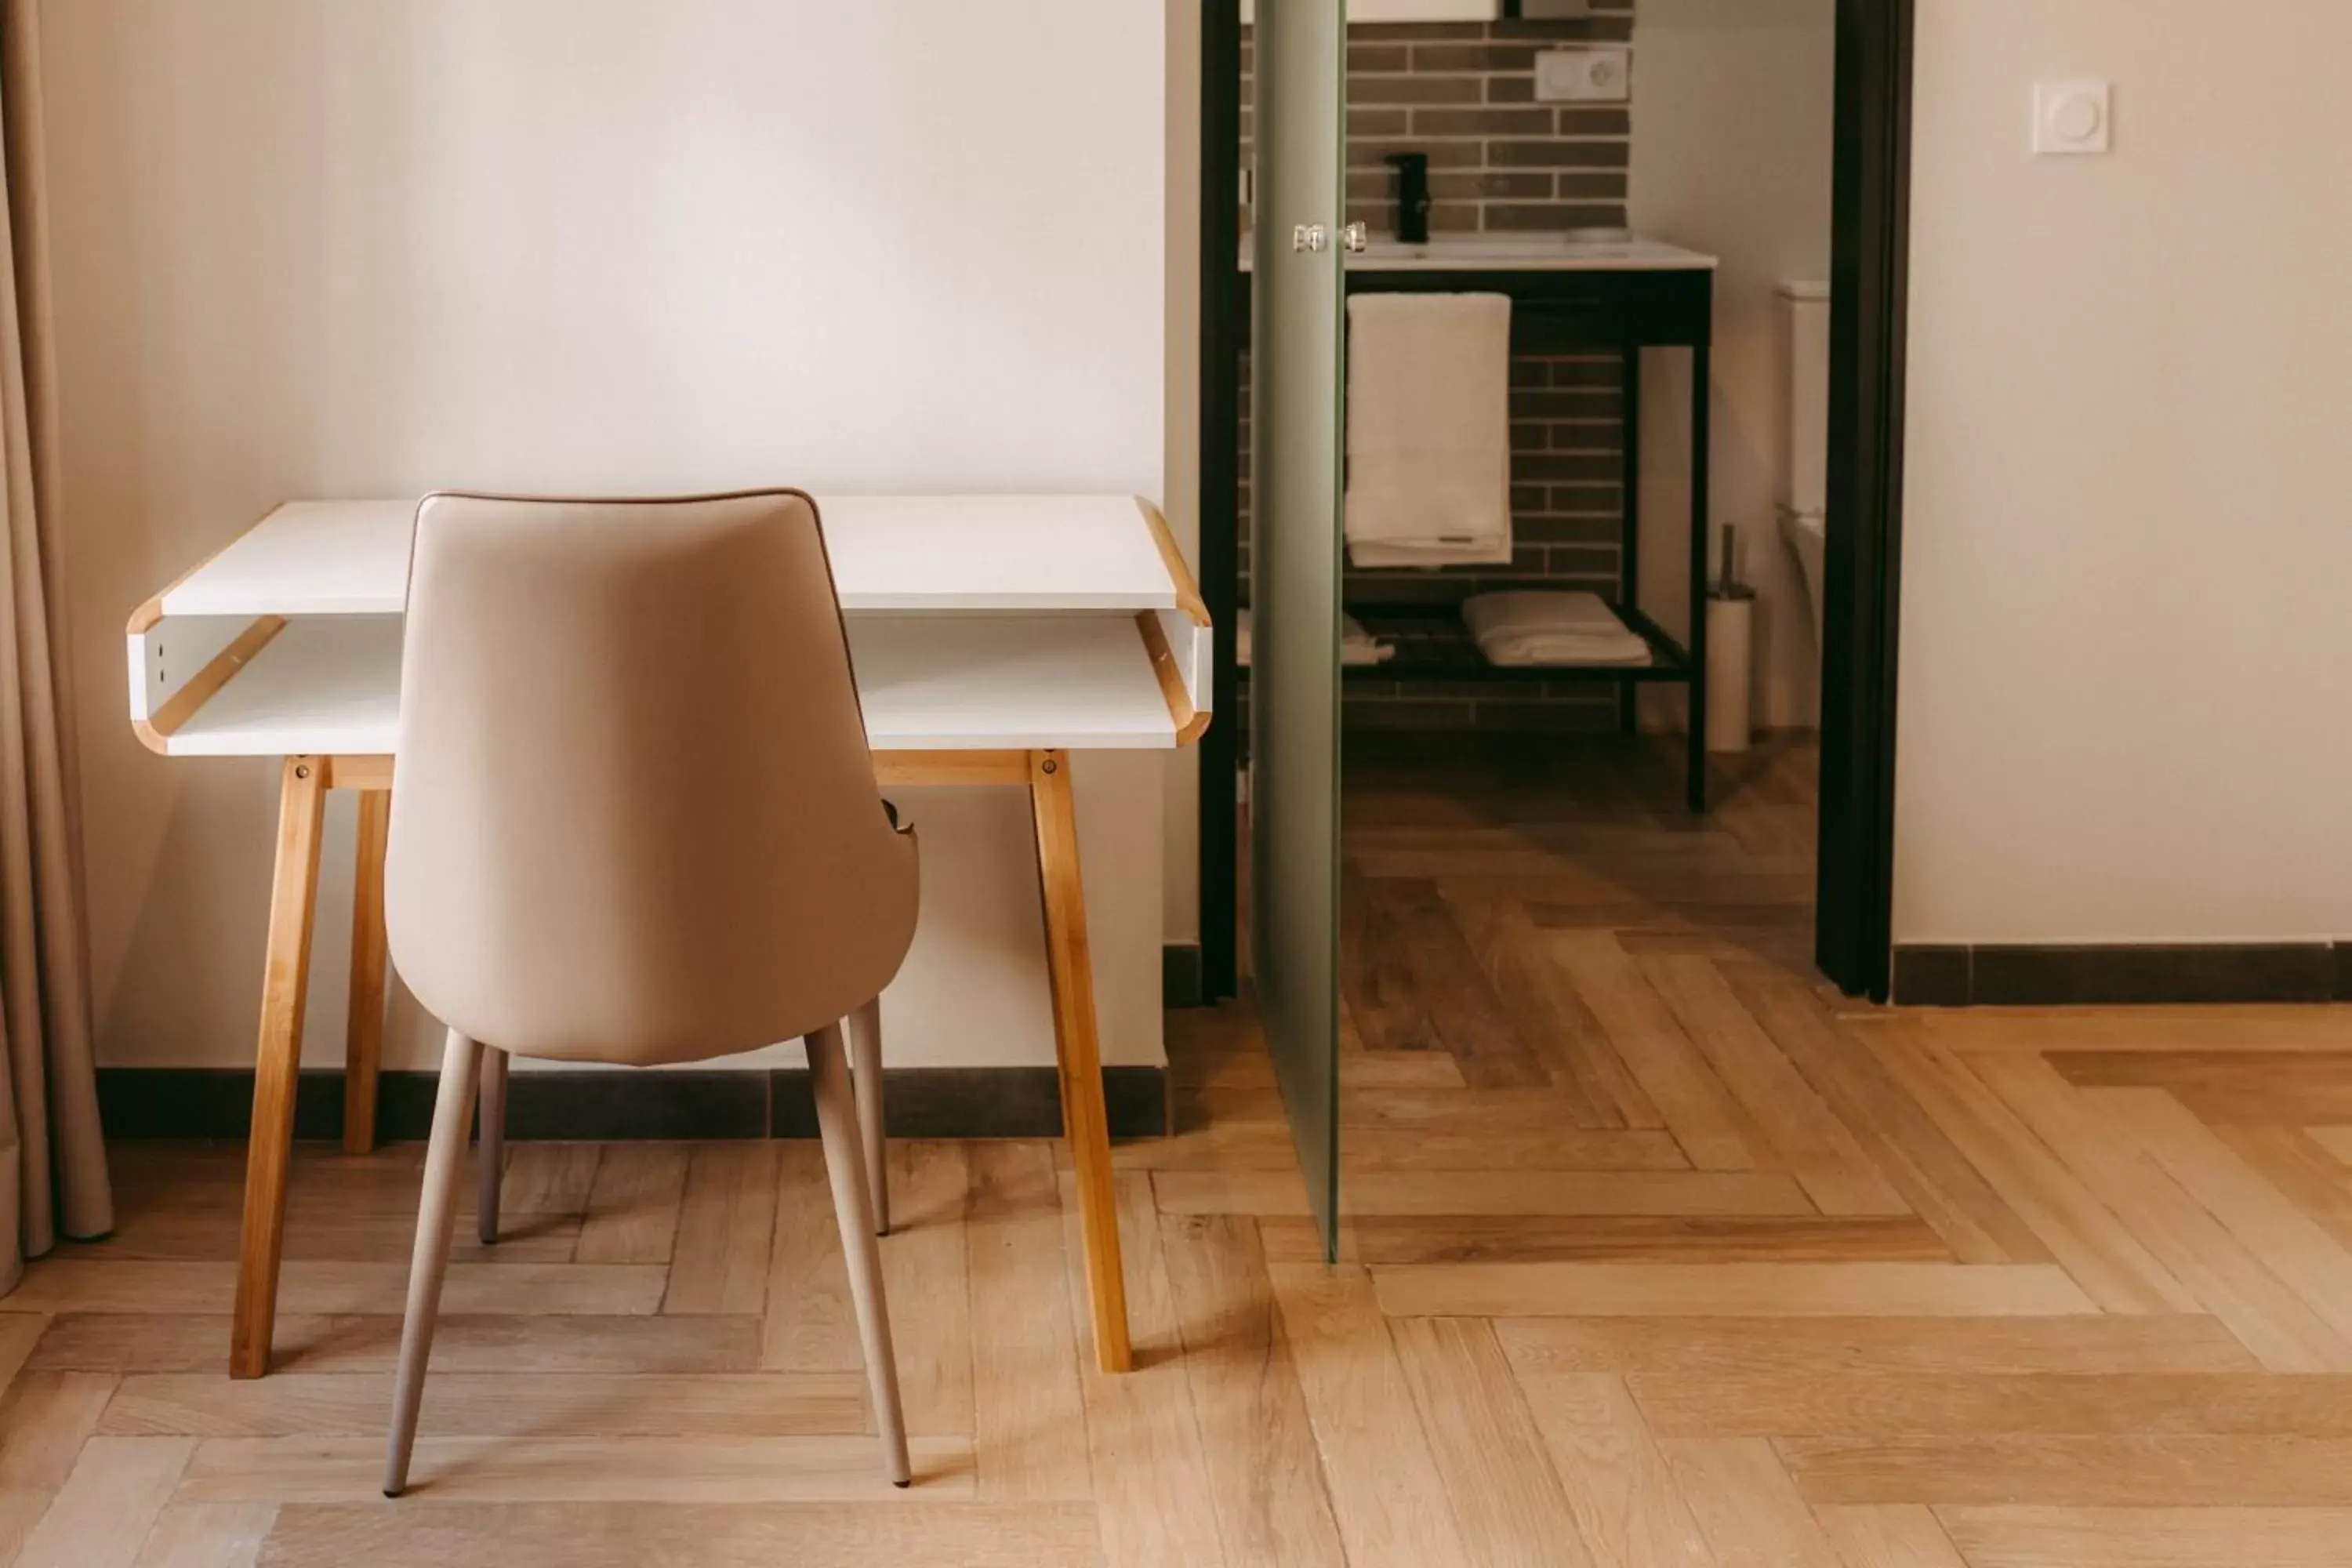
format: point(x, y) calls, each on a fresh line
point(1500, 162)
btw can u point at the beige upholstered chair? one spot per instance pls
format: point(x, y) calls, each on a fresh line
point(635, 822)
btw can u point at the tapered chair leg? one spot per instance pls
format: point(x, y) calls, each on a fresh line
point(865, 1074)
point(836, 1122)
point(436, 1219)
point(491, 1162)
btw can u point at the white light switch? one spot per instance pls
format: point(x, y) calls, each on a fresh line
point(1584, 76)
point(2072, 118)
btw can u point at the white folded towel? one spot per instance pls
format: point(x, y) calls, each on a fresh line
point(1550, 629)
point(1429, 429)
point(1357, 647)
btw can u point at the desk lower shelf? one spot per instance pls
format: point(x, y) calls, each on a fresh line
point(1080, 682)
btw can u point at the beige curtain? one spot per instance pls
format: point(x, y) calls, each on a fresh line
point(52, 1155)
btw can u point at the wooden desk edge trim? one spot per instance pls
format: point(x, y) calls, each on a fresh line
point(143, 619)
point(1188, 592)
point(1190, 721)
point(156, 733)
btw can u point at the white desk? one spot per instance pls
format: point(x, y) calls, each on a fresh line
point(992, 636)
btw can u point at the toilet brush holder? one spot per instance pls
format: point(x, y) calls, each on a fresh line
point(1730, 656)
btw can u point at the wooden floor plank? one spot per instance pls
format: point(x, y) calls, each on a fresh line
point(164, 1343)
point(2230, 1282)
point(1812, 1144)
point(1273, 1505)
point(1380, 994)
point(1278, 1194)
point(1772, 1289)
point(2085, 1236)
point(481, 1404)
point(45, 1419)
point(553, 1468)
point(1746, 1505)
point(1554, 1020)
point(1470, 1021)
point(1704, 1238)
point(1888, 1536)
point(1629, 1512)
point(1151, 1480)
point(632, 1204)
point(19, 1333)
point(1388, 1498)
point(810, 1324)
point(1905, 1142)
point(2295, 1163)
point(1675, 1076)
point(1735, 1347)
point(2289, 1088)
point(927, 1286)
point(540, 1178)
point(734, 1535)
point(1029, 1418)
point(100, 1516)
point(64, 1285)
point(1508, 1505)
point(719, 1264)
point(2293, 1245)
point(2150, 1538)
point(2134, 1471)
point(1827, 1403)
point(208, 1535)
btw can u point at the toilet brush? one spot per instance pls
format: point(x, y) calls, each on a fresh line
point(1730, 650)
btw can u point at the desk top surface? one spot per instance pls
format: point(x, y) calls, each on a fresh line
point(926, 553)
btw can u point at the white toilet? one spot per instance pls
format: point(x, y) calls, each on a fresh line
point(1805, 477)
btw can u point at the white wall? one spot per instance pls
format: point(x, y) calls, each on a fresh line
point(335, 247)
point(2126, 662)
point(1733, 146)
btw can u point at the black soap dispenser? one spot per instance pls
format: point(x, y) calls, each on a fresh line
point(1412, 197)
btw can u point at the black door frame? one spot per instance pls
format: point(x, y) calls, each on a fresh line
point(1220, 490)
point(1870, 269)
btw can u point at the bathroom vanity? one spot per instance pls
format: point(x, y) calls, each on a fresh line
point(1567, 294)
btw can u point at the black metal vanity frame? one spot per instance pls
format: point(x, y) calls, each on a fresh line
point(1560, 310)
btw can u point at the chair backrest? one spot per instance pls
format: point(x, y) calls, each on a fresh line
point(635, 818)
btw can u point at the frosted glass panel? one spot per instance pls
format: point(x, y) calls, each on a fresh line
point(1294, 572)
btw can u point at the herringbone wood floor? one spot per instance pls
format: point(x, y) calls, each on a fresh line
point(1656, 1257)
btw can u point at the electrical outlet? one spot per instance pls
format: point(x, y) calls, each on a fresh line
point(2074, 119)
point(1584, 76)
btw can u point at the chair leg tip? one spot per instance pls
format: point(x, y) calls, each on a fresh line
point(902, 1486)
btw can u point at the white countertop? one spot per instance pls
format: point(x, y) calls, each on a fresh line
point(1519, 253)
point(889, 552)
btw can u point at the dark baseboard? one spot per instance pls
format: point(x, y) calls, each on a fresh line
point(2039, 976)
point(922, 1102)
point(1180, 975)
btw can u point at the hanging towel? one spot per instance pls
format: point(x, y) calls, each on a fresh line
point(1543, 628)
point(1429, 429)
point(1357, 647)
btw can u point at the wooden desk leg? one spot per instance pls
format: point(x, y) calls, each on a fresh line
point(363, 1035)
point(1085, 1120)
point(284, 983)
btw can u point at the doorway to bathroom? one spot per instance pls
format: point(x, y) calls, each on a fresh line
point(1483, 901)
point(1677, 156)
